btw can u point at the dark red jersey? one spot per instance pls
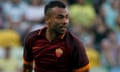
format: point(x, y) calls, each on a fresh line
point(62, 55)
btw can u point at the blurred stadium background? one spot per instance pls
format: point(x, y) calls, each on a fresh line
point(95, 22)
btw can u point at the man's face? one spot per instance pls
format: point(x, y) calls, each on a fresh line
point(58, 20)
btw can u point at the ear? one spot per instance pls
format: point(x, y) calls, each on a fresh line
point(47, 19)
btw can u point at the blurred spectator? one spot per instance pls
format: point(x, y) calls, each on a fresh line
point(117, 28)
point(35, 11)
point(1, 17)
point(71, 2)
point(27, 1)
point(16, 52)
point(94, 56)
point(100, 31)
point(97, 5)
point(82, 13)
point(110, 50)
point(14, 11)
point(1, 22)
point(2, 52)
point(9, 38)
point(8, 64)
point(35, 14)
point(110, 12)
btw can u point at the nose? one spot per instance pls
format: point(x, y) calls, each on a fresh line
point(65, 21)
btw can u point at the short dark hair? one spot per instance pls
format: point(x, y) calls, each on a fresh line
point(53, 4)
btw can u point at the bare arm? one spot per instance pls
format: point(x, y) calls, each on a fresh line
point(27, 68)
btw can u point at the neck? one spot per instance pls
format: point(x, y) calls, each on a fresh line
point(51, 35)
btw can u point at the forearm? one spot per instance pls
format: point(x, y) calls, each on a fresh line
point(27, 68)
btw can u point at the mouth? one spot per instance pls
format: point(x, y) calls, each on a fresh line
point(63, 28)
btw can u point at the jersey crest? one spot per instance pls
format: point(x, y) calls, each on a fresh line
point(59, 52)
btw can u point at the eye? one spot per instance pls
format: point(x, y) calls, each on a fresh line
point(67, 17)
point(60, 16)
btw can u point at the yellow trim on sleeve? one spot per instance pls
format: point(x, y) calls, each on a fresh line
point(83, 69)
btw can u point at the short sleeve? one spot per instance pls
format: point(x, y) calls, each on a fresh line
point(80, 58)
point(27, 54)
point(78, 55)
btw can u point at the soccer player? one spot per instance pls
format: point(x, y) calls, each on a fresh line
point(54, 48)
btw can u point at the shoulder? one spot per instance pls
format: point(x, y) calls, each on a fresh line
point(36, 33)
point(32, 34)
point(73, 37)
point(73, 40)
point(79, 57)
